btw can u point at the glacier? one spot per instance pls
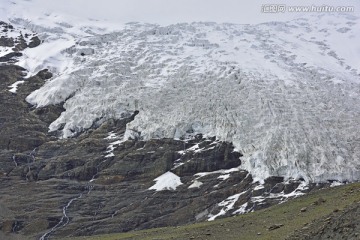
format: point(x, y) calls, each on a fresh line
point(286, 94)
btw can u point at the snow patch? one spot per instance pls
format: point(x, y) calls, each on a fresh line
point(5, 50)
point(224, 177)
point(111, 135)
point(14, 86)
point(196, 184)
point(242, 209)
point(221, 171)
point(336, 183)
point(258, 187)
point(227, 205)
point(167, 181)
point(112, 146)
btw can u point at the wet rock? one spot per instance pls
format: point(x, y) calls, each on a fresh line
point(21, 159)
point(17, 226)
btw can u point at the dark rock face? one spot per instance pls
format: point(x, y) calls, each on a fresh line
point(55, 188)
point(21, 129)
point(34, 42)
point(207, 158)
point(10, 57)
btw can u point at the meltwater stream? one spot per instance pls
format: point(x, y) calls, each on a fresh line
point(63, 221)
point(65, 218)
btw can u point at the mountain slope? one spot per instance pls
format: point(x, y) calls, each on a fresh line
point(153, 126)
point(285, 94)
point(328, 213)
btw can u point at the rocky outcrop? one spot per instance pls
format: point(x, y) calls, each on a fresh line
point(20, 42)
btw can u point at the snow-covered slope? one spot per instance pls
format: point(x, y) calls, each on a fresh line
point(285, 93)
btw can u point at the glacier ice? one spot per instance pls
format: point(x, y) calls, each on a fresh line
point(285, 93)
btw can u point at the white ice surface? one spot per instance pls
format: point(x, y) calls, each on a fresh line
point(4, 51)
point(47, 55)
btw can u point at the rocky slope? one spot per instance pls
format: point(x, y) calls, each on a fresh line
point(329, 213)
point(345, 225)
